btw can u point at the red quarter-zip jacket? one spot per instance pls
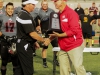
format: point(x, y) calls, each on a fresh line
point(69, 20)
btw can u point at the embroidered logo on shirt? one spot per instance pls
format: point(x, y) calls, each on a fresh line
point(10, 19)
point(65, 20)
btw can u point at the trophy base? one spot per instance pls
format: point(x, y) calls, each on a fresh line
point(51, 31)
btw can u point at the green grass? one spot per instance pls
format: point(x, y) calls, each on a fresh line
point(91, 63)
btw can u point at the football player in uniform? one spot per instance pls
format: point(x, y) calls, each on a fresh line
point(44, 14)
point(2, 8)
point(2, 11)
point(8, 35)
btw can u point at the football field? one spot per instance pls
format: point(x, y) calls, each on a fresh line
point(91, 63)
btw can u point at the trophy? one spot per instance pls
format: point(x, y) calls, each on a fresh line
point(54, 23)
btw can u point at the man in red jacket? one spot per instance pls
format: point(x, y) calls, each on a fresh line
point(70, 41)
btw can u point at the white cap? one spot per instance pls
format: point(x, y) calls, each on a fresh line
point(30, 1)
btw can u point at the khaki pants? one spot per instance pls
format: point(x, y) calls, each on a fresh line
point(76, 57)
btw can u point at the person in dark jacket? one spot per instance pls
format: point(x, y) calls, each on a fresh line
point(79, 10)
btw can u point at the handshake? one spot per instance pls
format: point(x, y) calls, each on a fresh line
point(46, 41)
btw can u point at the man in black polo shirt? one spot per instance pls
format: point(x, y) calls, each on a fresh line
point(34, 14)
point(44, 14)
point(79, 10)
point(26, 37)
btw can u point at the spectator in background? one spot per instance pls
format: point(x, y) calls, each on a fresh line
point(79, 10)
point(93, 28)
point(86, 27)
point(44, 14)
point(87, 21)
point(99, 28)
point(2, 8)
point(93, 8)
point(2, 11)
point(8, 30)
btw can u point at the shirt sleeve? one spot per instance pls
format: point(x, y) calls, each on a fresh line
point(74, 25)
point(27, 23)
point(36, 21)
point(90, 9)
point(1, 21)
point(82, 10)
point(28, 28)
point(53, 10)
point(75, 9)
point(80, 17)
point(17, 10)
point(0, 24)
point(38, 15)
point(97, 8)
point(96, 16)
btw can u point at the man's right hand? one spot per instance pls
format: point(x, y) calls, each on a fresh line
point(46, 41)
